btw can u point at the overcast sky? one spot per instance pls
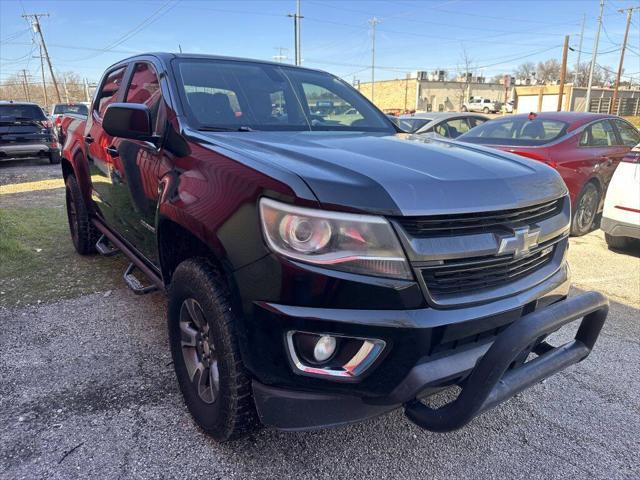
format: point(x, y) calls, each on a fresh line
point(87, 36)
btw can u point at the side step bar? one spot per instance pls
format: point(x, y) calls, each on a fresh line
point(136, 263)
point(105, 247)
point(492, 381)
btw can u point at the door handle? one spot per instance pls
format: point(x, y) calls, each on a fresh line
point(88, 139)
point(113, 151)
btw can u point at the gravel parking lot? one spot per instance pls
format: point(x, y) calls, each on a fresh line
point(87, 390)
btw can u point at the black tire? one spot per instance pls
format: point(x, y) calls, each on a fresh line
point(83, 234)
point(221, 404)
point(464, 109)
point(486, 110)
point(54, 158)
point(585, 211)
point(617, 243)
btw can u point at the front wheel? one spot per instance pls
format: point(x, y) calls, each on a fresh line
point(585, 210)
point(617, 243)
point(486, 110)
point(206, 358)
point(83, 234)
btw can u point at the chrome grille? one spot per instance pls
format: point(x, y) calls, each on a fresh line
point(467, 223)
point(450, 277)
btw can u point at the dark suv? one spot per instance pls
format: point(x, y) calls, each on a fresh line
point(25, 132)
point(321, 267)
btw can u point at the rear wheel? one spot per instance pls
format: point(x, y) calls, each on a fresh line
point(585, 210)
point(83, 234)
point(617, 243)
point(54, 157)
point(202, 333)
point(486, 110)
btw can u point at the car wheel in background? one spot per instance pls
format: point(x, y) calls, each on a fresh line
point(486, 110)
point(206, 357)
point(585, 210)
point(464, 109)
point(617, 243)
point(83, 234)
point(54, 157)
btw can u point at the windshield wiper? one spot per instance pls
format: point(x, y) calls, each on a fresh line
point(242, 128)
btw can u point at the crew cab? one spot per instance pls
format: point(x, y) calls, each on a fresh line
point(481, 104)
point(25, 132)
point(321, 271)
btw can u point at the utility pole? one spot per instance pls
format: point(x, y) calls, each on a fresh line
point(624, 46)
point(563, 71)
point(25, 85)
point(280, 57)
point(575, 75)
point(44, 84)
point(593, 58)
point(373, 22)
point(296, 33)
point(35, 23)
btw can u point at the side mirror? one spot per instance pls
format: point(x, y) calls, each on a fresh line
point(128, 120)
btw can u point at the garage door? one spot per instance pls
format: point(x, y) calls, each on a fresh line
point(528, 103)
point(549, 103)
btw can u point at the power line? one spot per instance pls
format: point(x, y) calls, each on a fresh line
point(35, 18)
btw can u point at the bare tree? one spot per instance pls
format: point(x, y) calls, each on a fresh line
point(465, 72)
point(601, 76)
point(525, 71)
point(548, 71)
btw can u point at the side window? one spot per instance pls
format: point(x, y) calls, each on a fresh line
point(474, 122)
point(600, 134)
point(109, 90)
point(486, 100)
point(457, 127)
point(327, 108)
point(145, 88)
point(629, 135)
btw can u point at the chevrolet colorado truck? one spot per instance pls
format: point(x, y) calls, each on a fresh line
point(321, 270)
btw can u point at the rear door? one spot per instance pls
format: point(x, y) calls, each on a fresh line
point(599, 153)
point(102, 151)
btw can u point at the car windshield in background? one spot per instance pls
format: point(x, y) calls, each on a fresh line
point(14, 112)
point(412, 125)
point(516, 131)
point(79, 109)
point(225, 95)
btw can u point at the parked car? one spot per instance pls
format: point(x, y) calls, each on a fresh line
point(481, 104)
point(584, 147)
point(444, 124)
point(59, 109)
point(509, 106)
point(25, 132)
point(319, 273)
point(621, 216)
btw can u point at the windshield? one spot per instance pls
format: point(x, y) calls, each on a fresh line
point(21, 112)
point(79, 109)
point(412, 125)
point(233, 95)
point(516, 131)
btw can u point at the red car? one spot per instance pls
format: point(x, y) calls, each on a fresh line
point(585, 148)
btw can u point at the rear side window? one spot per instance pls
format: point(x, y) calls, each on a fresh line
point(628, 134)
point(145, 88)
point(452, 128)
point(78, 109)
point(109, 90)
point(17, 112)
point(599, 134)
point(520, 131)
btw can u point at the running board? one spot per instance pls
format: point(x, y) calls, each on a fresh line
point(136, 285)
point(105, 247)
point(139, 264)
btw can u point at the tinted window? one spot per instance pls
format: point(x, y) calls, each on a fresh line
point(518, 131)
point(109, 90)
point(474, 122)
point(223, 94)
point(145, 88)
point(412, 125)
point(629, 135)
point(452, 128)
point(78, 109)
point(12, 112)
point(599, 134)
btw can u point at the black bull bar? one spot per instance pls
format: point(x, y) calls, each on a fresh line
point(495, 379)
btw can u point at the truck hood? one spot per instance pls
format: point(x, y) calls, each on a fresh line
point(400, 174)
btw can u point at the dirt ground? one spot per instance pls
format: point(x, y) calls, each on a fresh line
point(87, 388)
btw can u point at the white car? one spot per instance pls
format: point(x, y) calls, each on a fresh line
point(621, 216)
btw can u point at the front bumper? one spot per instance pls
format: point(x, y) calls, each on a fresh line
point(489, 373)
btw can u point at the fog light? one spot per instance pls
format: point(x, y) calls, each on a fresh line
point(324, 349)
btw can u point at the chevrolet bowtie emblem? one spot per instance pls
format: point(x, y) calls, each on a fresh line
point(522, 241)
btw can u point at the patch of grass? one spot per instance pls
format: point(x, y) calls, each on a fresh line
point(39, 264)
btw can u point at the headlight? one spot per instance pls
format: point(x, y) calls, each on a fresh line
point(354, 243)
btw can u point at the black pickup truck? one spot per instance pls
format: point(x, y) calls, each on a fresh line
point(321, 267)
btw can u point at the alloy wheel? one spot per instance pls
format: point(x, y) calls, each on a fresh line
point(198, 351)
point(586, 210)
